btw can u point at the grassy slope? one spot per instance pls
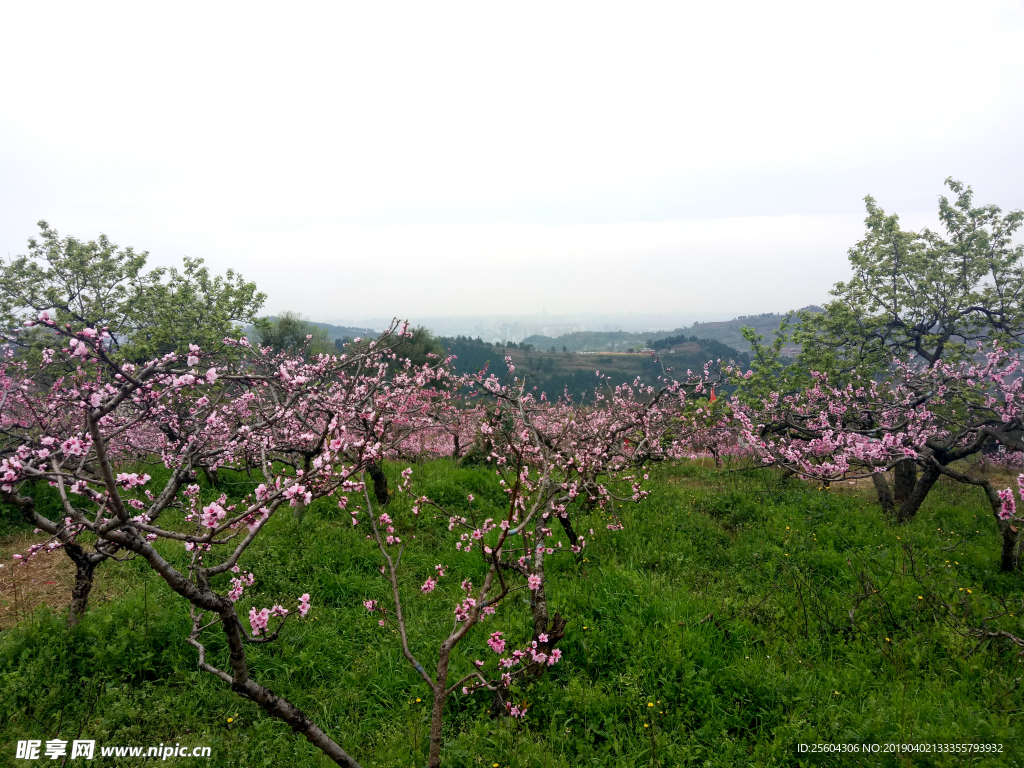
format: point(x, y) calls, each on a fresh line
point(724, 603)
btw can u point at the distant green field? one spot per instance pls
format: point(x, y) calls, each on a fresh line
point(736, 616)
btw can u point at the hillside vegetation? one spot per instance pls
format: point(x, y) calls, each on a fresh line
point(730, 331)
point(735, 616)
point(556, 372)
point(726, 332)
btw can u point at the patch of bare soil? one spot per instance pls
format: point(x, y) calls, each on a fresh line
point(48, 578)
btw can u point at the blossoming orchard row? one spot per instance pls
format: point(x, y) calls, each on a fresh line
point(321, 428)
point(315, 429)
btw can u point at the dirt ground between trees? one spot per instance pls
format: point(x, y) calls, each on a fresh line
point(47, 578)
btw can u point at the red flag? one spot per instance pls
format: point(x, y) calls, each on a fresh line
point(712, 394)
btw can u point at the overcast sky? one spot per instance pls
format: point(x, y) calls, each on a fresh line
point(373, 159)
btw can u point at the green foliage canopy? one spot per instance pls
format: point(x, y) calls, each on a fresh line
point(290, 332)
point(922, 292)
point(98, 285)
point(910, 293)
point(417, 347)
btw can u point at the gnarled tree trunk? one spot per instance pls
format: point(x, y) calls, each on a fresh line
point(882, 489)
point(907, 508)
point(380, 484)
point(85, 567)
point(1010, 554)
point(910, 489)
point(904, 481)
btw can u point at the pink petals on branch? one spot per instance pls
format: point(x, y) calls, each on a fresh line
point(258, 620)
point(496, 642)
point(73, 447)
point(1009, 508)
point(212, 515)
point(132, 480)
point(238, 585)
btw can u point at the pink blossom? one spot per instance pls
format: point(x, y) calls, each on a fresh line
point(496, 642)
point(212, 514)
point(258, 620)
point(73, 447)
point(1008, 508)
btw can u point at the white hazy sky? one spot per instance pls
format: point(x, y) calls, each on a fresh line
point(374, 159)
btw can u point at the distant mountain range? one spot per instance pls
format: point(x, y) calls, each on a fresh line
point(726, 332)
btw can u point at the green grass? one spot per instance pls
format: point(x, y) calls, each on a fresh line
point(726, 603)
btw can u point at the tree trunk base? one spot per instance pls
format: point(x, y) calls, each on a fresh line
point(1009, 556)
point(84, 571)
point(381, 491)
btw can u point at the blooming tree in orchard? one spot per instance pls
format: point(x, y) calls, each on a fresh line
point(68, 424)
point(701, 424)
point(930, 294)
point(313, 428)
point(548, 457)
point(932, 415)
point(451, 432)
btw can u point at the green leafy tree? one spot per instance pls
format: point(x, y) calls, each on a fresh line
point(912, 293)
point(290, 332)
point(417, 347)
point(921, 292)
point(96, 284)
point(191, 306)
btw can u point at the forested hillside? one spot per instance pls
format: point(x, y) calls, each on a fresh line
point(334, 332)
point(729, 331)
point(596, 341)
point(557, 372)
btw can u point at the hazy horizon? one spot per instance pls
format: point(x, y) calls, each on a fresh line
point(361, 161)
